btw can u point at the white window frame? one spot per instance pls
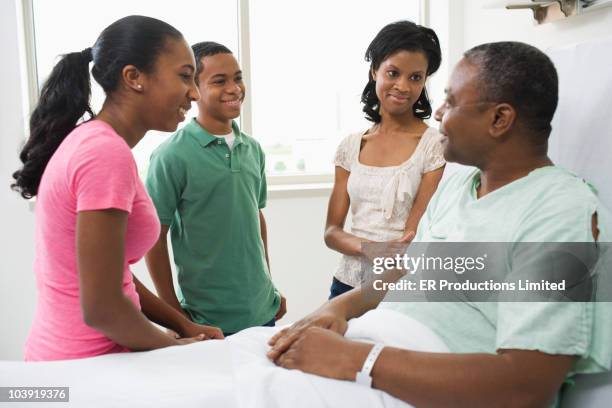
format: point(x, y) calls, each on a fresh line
point(280, 183)
point(27, 58)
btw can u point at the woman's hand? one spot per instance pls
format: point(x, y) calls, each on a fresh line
point(406, 238)
point(325, 353)
point(388, 249)
point(326, 318)
point(190, 329)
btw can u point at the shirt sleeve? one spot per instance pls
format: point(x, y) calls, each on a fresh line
point(165, 183)
point(103, 175)
point(344, 156)
point(434, 153)
point(569, 328)
point(263, 187)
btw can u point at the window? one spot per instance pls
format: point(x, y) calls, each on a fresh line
point(307, 75)
point(305, 68)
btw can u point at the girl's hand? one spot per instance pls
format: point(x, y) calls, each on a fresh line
point(172, 333)
point(191, 329)
point(189, 340)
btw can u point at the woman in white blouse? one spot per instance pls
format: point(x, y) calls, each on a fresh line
point(387, 174)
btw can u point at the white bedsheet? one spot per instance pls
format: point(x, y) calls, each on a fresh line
point(230, 373)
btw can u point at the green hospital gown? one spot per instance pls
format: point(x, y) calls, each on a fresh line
point(550, 204)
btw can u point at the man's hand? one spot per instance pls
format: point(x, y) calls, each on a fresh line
point(326, 353)
point(282, 308)
point(325, 318)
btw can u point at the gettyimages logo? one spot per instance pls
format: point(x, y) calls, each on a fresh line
point(412, 264)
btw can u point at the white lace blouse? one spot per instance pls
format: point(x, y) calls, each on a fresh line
point(381, 197)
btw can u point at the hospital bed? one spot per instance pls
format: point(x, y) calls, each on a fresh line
point(218, 373)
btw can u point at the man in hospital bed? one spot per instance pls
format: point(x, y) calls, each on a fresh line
point(500, 101)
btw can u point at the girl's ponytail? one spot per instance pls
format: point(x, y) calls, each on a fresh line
point(64, 99)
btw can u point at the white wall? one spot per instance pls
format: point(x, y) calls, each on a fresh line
point(487, 25)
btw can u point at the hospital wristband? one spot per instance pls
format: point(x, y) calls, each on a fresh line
point(363, 377)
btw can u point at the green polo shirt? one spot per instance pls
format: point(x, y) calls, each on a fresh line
point(210, 196)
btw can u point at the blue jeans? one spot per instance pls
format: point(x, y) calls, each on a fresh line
point(271, 323)
point(337, 288)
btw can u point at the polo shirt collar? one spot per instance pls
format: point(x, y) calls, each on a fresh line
point(204, 137)
point(237, 134)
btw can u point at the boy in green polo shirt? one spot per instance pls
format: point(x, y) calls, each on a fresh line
point(208, 185)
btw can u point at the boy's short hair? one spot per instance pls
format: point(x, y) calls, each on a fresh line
point(206, 49)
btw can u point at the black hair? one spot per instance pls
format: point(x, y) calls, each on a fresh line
point(206, 49)
point(400, 36)
point(520, 75)
point(64, 98)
